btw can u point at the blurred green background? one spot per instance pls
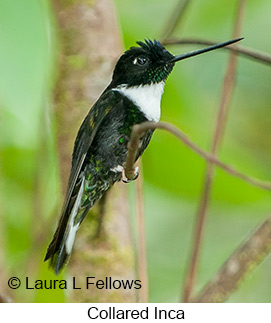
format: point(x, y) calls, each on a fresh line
point(30, 186)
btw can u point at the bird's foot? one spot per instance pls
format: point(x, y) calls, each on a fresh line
point(126, 180)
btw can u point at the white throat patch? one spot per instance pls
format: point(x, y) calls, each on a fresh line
point(146, 97)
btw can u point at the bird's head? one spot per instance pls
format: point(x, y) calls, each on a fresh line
point(151, 63)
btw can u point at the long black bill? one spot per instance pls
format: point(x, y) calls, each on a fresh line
point(204, 50)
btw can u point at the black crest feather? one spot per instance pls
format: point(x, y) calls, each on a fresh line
point(153, 47)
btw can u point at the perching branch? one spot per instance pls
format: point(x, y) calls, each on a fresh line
point(139, 130)
point(245, 258)
point(249, 53)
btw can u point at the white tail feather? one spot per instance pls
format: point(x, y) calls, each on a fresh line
point(72, 227)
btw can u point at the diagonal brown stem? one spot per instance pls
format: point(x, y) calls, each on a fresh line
point(227, 91)
point(175, 17)
point(142, 256)
point(244, 259)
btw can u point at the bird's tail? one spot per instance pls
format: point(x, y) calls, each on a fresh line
point(61, 245)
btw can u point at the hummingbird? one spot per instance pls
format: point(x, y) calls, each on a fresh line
point(100, 148)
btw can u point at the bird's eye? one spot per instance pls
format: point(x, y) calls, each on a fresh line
point(140, 61)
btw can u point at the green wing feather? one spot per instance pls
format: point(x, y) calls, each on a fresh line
point(84, 139)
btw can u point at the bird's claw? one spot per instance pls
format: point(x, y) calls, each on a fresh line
point(126, 180)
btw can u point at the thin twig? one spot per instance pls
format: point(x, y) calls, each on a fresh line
point(142, 256)
point(139, 130)
point(246, 52)
point(228, 88)
point(245, 258)
point(175, 18)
